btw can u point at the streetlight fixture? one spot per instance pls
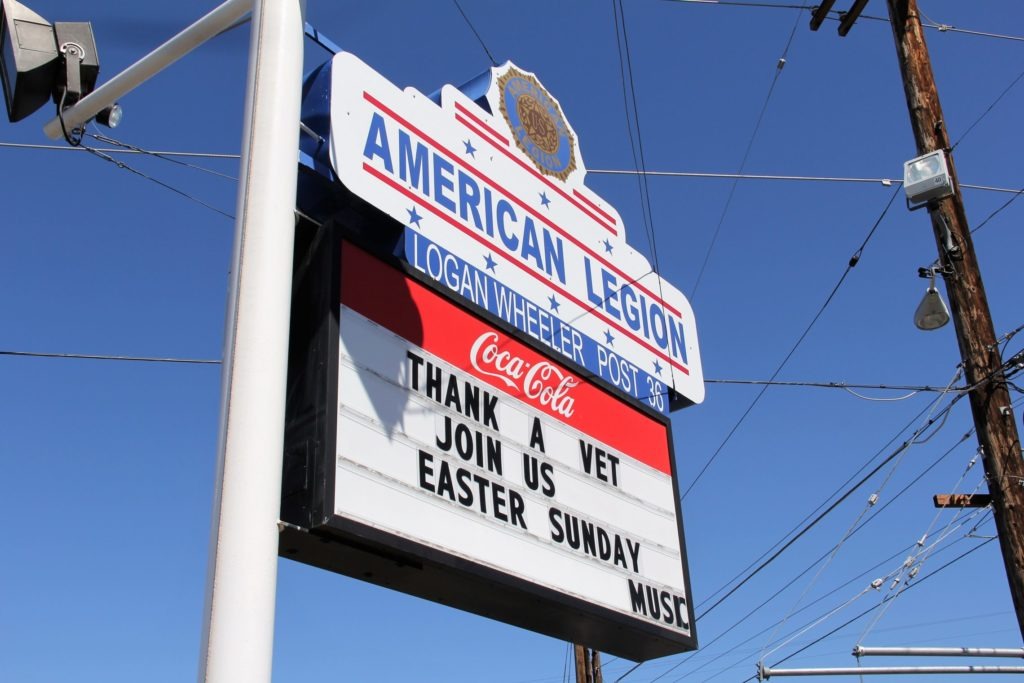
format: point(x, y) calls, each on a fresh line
point(931, 313)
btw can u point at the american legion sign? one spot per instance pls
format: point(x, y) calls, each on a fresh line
point(482, 367)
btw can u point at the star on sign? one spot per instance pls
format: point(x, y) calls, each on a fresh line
point(414, 218)
point(657, 368)
point(607, 247)
point(554, 303)
point(489, 263)
point(470, 149)
point(608, 338)
point(544, 201)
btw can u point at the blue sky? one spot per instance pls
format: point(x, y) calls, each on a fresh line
point(108, 466)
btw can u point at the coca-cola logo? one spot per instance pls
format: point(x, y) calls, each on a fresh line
point(542, 382)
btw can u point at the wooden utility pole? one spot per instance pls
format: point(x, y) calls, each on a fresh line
point(588, 665)
point(990, 400)
point(581, 664)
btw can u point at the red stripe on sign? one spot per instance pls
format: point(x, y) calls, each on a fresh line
point(579, 195)
point(478, 121)
point(395, 301)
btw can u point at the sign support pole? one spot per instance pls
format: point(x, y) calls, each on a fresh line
point(238, 630)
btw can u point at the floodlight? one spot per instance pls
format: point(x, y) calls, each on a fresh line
point(29, 58)
point(39, 60)
point(927, 177)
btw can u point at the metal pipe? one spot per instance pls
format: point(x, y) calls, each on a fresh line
point(765, 673)
point(861, 651)
point(238, 633)
point(216, 21)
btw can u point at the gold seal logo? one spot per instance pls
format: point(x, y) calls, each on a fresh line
point(537, 123)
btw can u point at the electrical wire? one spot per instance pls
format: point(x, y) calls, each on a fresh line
point(884, 604)
point(986, 112)
point(733, 649)
point(835, 15)
point(779, 65)
point(992, 215)
point(86, 356)
point(870, 503)
point(914, 389)
point(821, 505)
point(850, 266)
point(633, 125)
point(64, 148)
point(912, 565)
point(869, 610)
point(815, 562)
point(158, 155)
point(886, 182)
point(943, 28)
point(741, 620)
point(896, 453)
point(472, 28)
point(636, 141)
point(186, 195)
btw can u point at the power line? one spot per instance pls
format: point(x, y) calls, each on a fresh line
point(159, 155)
point(850, 266)
point(637, 147)
point(112, 150)
point(831, 385)
point(824, 385)
point(125, 148)
point(186, 195)
point(993, 214)
point(985, 113)
point(903, 447)
point(806, 607)
point(777, 593)
point(835, 15)
point(780, 64)
point(859, 527)
point(86, 356)
point(912, 440)
point(633, 126)
point(869, 610)
point(887, 182)
point(472, 28)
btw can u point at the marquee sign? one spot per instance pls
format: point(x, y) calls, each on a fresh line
point(455, 437)
point(491, 193)
point(478, 392)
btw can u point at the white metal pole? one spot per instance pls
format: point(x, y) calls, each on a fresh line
point(766, 673)
point(862, 651)
point(238, 630)
point(216, 21)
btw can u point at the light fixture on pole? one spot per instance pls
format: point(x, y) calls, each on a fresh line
point(931, 313)
point(926, 178)
point(40, 61)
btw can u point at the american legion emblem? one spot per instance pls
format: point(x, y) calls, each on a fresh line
point(538, 125)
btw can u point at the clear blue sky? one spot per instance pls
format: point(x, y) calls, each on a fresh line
point(107, 466)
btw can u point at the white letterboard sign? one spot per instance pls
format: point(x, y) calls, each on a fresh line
point(456, 437)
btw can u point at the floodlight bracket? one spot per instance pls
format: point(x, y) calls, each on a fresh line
point(81, 63)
